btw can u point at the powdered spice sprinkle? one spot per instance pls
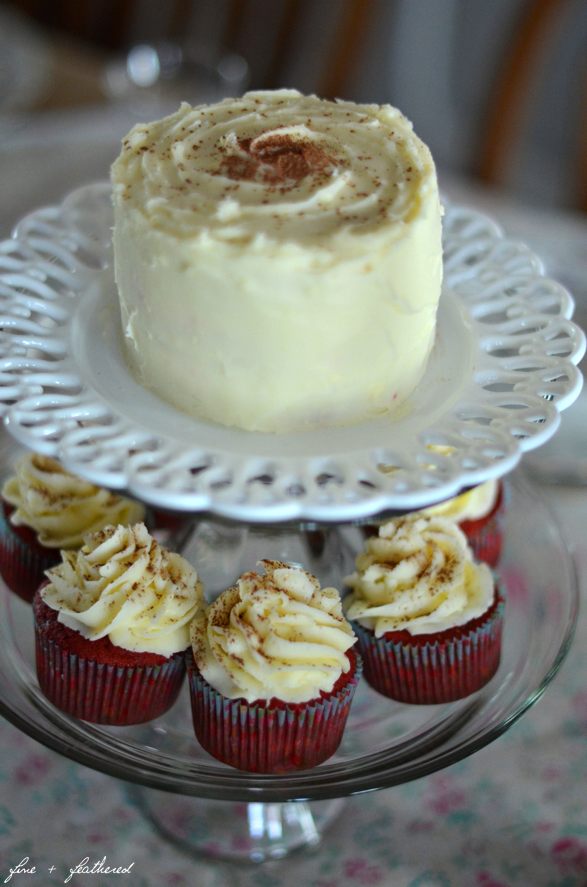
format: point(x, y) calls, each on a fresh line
point(275, 158)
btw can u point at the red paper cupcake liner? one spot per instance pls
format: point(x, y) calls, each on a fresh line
point(271, 737)
point(429, 669)
point(23, 560)
point(485, 536)
point(117, 695)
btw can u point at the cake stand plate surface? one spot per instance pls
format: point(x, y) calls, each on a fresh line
point(385, 743)
point(502, 369)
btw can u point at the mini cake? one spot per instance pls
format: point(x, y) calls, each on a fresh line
point(278, 260)
point(271, 672)
point(45, 509)
point(112, 627)
point(428, 617)
point(479, 514)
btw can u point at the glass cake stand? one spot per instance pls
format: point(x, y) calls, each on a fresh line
point(503, 366)
point(210, 808)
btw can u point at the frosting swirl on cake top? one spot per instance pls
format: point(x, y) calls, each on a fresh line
point(279, 167)
point(276, 635)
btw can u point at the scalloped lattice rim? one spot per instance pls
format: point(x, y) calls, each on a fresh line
point(504, 401)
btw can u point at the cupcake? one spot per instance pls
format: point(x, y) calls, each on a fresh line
point(46, 509)
point(271, 672)
point(112, 627)
point(428, 617)
point(479, 514)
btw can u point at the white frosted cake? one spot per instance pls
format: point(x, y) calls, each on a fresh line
point(278, 260)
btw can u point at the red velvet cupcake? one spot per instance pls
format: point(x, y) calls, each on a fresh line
point(112, 627)
point(479, 513)
point(271, 672)
point(428, 669)
point(46, 509)
point(485, 533)
point(428, 617)
point(23, 560)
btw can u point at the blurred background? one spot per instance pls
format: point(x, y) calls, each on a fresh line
point(498, 90)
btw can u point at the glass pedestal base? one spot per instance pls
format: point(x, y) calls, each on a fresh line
point(236, 831)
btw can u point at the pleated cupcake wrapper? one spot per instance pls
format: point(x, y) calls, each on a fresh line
point(259, 739)
point(434, 672)
point(22, 565)
point(486, 541)
point(106, 694)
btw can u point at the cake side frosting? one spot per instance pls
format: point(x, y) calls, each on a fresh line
point(278, 260)
point(418, 575)
point(274, 635)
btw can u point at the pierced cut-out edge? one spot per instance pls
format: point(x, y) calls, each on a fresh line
point(524, 376)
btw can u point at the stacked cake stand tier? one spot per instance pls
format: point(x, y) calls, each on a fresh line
point(502, 369)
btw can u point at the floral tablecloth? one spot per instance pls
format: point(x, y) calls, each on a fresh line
point(512, 815)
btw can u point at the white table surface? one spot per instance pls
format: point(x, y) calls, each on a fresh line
point(512, 815)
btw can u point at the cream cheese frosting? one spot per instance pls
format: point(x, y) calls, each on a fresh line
point(278, 259)
point(274, 635)
point(61, 507)
point(417, 574)
point(123, 584)
point(471, 505)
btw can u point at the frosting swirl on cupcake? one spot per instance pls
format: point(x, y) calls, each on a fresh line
point(472, 505)
point(278, 635)
point(418, 575)
point(125, 585)
point(61, 507)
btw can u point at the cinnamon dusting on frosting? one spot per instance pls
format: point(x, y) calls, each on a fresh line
point(275, 158)
point(418, 575)
point(274, 635)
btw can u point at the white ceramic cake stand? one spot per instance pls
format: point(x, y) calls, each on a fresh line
point(503, 367)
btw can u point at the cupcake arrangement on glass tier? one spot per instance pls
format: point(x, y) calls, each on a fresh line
point(273, 662)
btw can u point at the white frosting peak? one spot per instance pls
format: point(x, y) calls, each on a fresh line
point(471, 505)
point(61, 507)
point(125, 585)
point(278, 635)
point(418, 575)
